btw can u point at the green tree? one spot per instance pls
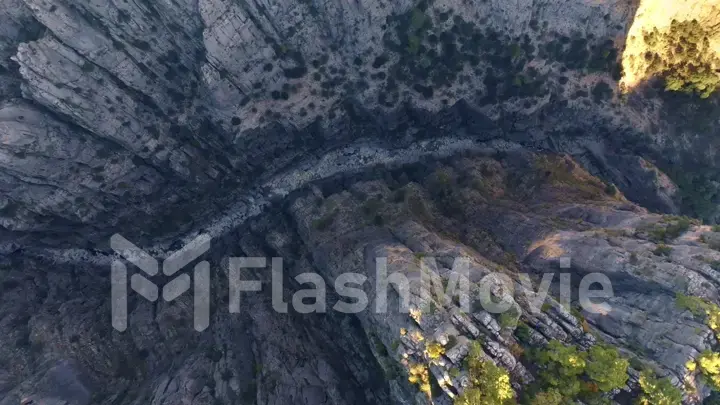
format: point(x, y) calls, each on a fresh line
point(490, 383)
point(549, 397)
point(606, 368)
point(683, 57)
point(562, 366)
point(658, 391)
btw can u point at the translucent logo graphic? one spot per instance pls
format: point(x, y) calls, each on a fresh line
point(151, 267)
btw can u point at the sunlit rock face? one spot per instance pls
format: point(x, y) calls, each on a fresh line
point(660, 14)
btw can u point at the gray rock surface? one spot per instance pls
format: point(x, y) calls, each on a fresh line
point(178, 103)
point(315, 131)
point(62, 348)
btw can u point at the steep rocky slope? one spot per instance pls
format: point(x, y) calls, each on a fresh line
point(513, 213)
point(316, 131)
point(128, 108)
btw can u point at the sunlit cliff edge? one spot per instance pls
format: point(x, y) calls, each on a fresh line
point(659, 14)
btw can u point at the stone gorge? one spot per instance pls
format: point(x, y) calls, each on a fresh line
point(331, 133)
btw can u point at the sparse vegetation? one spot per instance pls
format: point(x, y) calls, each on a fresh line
point(490, 383)
point(701, 307)
point(683, 58)
point(434, 350)
point(509, 318)
point(522, 332)
point(662, 250)
point(670, 229)
point(325, 221)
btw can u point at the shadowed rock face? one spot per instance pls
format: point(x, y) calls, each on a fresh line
point(330, 135)
point(114, 113)
point(514, 213)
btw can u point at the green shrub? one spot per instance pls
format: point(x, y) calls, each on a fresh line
point(606, 368)
point(490, 383)
point(611, 190)
point(452, 342)
point(658, 391)
point(675, 227)
point(509, 318)
point(325, 221)
point(695, 305)
point(601, 92)
point(371, 207)
point(575, 374)
point(214, 354)
point(713, 399)
point(662, 250)
point(549, 397)
point(523, 332)
point(701, 307)
point(561, 368)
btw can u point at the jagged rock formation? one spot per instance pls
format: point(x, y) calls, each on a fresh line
point(160, 120)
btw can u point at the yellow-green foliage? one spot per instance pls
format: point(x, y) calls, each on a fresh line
point(709, 365)
point(559, 171)
point(549, 397)
point(708, 362)
point(563, 366)
point(606, 368)
point(683, 57)
point(419, 374)
point(490, 383)
point(662, 250)
point(701, 307)
point(573, 373)
point(658, 391)
point(434, 350)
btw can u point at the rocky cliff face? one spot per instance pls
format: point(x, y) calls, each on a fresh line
point(515, 213)
point(145, 105)
point(164, 119)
